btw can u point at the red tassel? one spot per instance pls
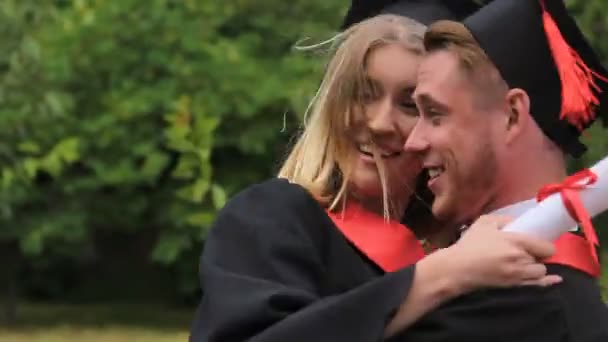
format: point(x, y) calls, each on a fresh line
point(577, 79)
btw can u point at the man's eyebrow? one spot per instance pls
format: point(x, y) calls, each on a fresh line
point(425, 100)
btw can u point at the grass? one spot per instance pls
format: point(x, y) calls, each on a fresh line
point(98, 323)
point(118, 322)
point(108, 334)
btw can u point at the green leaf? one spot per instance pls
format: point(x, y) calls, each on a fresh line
point(67, 149)
point(53, 100)
point(169, 246)
point(205, 126)
point(52, 164)
point(31, 48)
point(154, 164)
point(203, 219)
point(186, 167)
point(8, 176)
point(218, 196)
point(31, 166)
point(32, 243)
point(29, 147)
point(199, 189)
point(194, 192)
point(8, 8)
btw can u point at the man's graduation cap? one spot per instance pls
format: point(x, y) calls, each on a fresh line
point(423, 11)
point(537, 46)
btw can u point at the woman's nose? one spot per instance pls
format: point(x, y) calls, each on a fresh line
point(380, 119)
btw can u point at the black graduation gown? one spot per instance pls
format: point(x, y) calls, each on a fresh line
point(570, 312)
point(275, 268)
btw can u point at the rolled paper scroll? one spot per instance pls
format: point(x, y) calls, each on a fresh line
point(551, 217)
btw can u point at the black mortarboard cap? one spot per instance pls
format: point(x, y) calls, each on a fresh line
point(537, 46)
point(423, 11)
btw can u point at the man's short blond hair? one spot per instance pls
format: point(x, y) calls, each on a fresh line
point(454, 37)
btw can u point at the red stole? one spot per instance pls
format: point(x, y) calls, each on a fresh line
point(389, 244)
point(573, 250)
point(392, 246)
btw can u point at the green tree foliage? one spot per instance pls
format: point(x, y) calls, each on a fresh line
point(144, 115)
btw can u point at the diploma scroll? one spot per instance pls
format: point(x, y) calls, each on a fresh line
point(550, 218)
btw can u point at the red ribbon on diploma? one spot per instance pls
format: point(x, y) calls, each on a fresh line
point(569, 192)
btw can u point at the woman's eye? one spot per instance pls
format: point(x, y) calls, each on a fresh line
point(367, 96)
point(409, 107)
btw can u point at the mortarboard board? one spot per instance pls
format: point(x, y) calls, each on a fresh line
point(423, 11)
point(537, 46)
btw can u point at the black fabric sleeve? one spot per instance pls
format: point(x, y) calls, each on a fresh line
point(262, 272)
point(523, 314)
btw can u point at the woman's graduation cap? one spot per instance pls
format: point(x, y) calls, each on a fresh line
point(537, 46)
point(423, 11)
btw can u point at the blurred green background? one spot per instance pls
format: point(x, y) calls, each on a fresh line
point(124, 127)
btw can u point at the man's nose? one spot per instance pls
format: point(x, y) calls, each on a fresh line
point(416, 141)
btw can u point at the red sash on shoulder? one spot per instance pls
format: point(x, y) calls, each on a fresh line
point(389, 244)
point(573, 250)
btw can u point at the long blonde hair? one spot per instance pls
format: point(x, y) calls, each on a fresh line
point(321, 158)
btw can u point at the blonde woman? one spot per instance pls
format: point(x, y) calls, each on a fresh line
point(318, 254)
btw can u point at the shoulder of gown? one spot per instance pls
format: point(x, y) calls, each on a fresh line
point(263, 267)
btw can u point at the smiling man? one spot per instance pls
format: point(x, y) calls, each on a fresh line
point(503, 100)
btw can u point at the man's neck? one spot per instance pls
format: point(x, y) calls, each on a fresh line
point(523, 183)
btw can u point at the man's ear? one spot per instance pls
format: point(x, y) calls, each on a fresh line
point(518, 112)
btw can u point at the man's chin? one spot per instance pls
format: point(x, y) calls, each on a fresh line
point(441, 209)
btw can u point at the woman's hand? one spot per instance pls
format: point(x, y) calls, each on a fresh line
point(485, 256)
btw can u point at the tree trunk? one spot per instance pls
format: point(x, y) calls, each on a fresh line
point(10, 304)
point(9, 278)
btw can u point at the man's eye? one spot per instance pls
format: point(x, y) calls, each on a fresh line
point(435, 119)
